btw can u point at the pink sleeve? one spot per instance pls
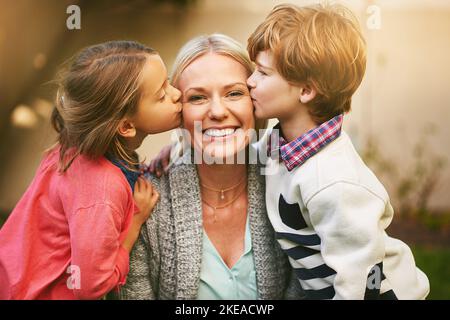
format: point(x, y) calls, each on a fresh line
point(97, 254)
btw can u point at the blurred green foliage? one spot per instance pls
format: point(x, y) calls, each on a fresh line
point(435, 262)
point(414, 184)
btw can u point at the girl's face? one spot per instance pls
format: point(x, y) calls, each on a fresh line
point(216, 97)
point(159, 109)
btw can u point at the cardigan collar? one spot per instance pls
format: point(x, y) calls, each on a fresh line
point(187, 211)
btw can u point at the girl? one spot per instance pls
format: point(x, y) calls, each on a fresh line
point(70, 235)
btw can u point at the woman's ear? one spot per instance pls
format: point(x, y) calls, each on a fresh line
point(307, 93)
point(126, 128)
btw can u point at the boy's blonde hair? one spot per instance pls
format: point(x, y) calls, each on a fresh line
point(214, 43)
point(100, 86)
point(321, 45)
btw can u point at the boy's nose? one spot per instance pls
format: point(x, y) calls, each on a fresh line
point(251, 82)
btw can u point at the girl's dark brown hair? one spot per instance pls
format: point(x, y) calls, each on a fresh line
point(100, 87)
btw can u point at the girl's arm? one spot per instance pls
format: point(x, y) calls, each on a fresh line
point(100, 261)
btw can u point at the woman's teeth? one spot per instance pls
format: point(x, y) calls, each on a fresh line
point(219, 132)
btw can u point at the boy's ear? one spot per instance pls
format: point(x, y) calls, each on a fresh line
point(126, 128)
point(307, 93)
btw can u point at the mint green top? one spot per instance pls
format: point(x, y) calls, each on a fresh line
point(218, 281)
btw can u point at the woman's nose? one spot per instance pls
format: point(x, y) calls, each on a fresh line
point(218, 110)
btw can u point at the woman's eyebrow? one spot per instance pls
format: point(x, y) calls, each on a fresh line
point(195, 89)
point(228, 86)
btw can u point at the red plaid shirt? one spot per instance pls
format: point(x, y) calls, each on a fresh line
point(296, 152)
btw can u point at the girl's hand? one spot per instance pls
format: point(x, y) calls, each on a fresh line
point(146, 197)
point(160, 164)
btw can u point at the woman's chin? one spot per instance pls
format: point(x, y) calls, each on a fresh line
point(222, 154)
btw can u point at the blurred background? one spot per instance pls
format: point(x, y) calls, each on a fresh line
point(399, 121)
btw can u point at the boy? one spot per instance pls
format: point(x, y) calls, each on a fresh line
point(328, 209)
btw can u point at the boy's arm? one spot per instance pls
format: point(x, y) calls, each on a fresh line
point(166, 157)
point(348, 219)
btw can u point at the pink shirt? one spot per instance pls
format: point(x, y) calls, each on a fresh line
point(63, 239)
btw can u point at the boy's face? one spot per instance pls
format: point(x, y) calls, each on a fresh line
point(272, 95)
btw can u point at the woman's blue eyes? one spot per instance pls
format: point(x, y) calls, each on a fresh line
point(200, 98)
point(235, 93)
point(195, 98)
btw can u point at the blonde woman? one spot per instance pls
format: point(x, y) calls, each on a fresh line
point(209, 236)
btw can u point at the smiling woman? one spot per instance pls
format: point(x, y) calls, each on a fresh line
point(210, 237)
point(220, 104)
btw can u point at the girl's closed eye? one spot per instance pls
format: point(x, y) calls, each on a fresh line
point(163, 90)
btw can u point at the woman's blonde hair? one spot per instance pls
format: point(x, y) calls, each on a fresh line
point(100, 86)
point(321, 45)
point(214, 43)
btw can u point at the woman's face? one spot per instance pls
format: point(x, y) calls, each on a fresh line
point(217, 108)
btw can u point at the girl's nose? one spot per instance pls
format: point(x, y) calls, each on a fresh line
point(176, 94)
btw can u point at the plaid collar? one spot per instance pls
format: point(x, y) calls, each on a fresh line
point(296, 152)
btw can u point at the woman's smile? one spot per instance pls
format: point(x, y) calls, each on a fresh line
point(221, 134)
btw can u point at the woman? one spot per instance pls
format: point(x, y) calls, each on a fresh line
point(209, 236)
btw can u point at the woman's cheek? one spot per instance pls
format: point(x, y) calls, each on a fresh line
point(188, 121)
point(185, 111)
point(248, 116)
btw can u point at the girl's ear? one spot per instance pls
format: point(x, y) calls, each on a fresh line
point(307, 93)
point(126, 128)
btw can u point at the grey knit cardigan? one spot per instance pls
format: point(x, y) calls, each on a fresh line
point(165, 262)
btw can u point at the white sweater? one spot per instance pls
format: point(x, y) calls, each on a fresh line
point(330, 216)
